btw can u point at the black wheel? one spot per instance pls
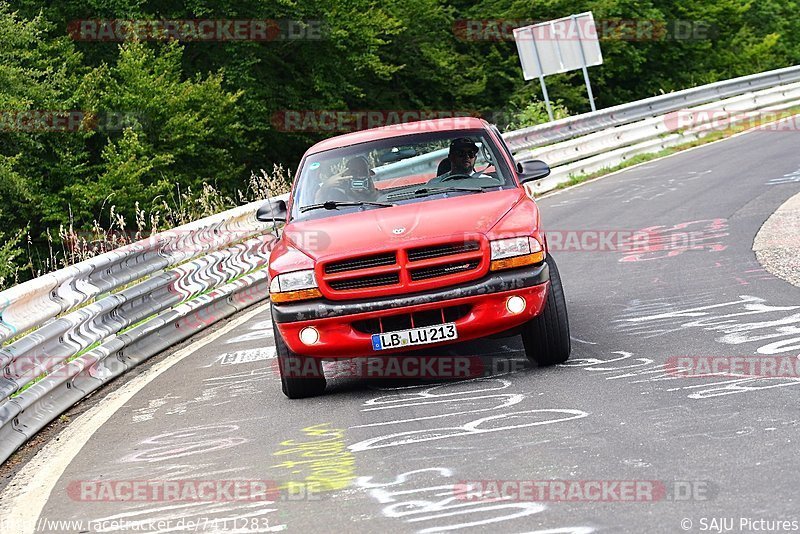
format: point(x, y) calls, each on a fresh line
point(301, 376)
point(546, 336)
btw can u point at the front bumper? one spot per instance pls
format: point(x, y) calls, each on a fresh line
point(486, 297)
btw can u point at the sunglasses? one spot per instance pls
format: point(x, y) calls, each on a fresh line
point(470, 153)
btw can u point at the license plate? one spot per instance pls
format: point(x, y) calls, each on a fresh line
point(415, 336)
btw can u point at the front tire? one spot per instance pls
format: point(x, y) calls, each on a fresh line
point(546, 336)
point(301, 376)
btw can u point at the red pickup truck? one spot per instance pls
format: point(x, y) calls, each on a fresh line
point(406, 237)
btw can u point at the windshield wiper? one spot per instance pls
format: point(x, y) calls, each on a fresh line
point(335, 204)
point(426, 191)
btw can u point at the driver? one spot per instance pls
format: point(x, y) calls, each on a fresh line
point(353, 183)
point(462, 155)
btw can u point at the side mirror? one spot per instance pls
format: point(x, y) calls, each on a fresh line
point(273, 211)
point(532, 169)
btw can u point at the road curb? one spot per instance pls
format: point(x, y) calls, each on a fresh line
point(777, 244)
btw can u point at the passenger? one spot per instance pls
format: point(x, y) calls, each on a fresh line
point(354, 183)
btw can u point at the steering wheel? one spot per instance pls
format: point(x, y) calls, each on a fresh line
point(456, 176)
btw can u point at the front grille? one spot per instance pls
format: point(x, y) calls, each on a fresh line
point(437, 251)
point(404, 269)
point(442, 270)
point(405, 321)
point(365, 281)
point(364, 262)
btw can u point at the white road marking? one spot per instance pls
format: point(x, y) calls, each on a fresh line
point(248, 356)
point(24, 498)
point(786, 178)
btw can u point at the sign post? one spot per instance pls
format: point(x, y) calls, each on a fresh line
point(541, 80)
point(557, 46)
point(583, 60)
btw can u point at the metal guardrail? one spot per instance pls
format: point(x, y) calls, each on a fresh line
point(569, 127)
point(79, 327)
point(145, 297)
point(612, 146)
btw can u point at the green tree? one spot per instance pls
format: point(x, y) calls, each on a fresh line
point(165, 117)
point(39, 77)
point(158, 130)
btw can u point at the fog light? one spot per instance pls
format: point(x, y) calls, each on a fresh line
point(309, 335)
point(515, 304)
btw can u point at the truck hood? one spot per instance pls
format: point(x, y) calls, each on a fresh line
point(381, 228)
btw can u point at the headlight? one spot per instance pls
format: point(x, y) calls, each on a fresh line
point(507, 248)
point(297, 285)
point(515, 252)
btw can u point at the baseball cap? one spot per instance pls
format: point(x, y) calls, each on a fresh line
point(463, 143)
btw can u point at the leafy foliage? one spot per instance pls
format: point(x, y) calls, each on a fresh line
point(9, 251)
point(161, 119)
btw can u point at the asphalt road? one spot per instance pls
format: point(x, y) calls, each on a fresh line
point(391, 455)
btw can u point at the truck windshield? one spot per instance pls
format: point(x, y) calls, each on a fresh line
point(399, 170)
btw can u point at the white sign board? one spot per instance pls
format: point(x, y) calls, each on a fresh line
point(559, 45)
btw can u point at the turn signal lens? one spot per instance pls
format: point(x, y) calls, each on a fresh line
point(291, 296)
point(517, 261)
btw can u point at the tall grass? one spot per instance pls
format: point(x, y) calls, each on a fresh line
point(75, 243)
